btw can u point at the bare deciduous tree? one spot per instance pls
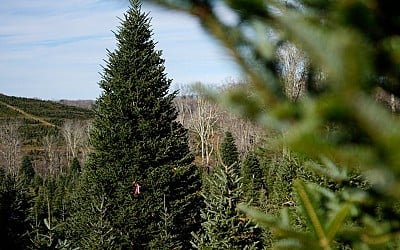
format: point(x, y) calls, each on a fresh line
point(247, 135)
point(75, 133)
point(202, 121)
point(10, 146)
point(52, 155)
point(86, 147)
point(185, 106)
point(207, 122)
point(293, 67)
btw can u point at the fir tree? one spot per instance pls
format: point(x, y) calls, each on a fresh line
point(224, 227)
point(26, 171)
point(136, 138)
point(229, 151)
point(75, 166)
point(14, 207)
point(252, 176)
point(46, 213)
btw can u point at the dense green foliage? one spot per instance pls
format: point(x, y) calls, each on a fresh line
point(13, 213)
point(135, 138)
point(225, 227)
point(253, 177)
point(33, 210)
point(229, 151)
point(6, 112)
point(26, 172)
point(75, 167)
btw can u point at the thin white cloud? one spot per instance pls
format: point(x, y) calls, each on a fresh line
point(53, 49)
point(19, 29)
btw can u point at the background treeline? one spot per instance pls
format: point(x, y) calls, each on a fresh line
point(49, 132)
point(48, 110)
point(232, 153)
point(205, 120)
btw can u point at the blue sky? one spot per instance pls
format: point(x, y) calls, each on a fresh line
point(53, 49)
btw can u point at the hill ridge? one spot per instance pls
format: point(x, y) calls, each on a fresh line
point(27, 115)
point(43, 111)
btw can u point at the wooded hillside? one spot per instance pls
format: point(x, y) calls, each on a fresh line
point(35, 127)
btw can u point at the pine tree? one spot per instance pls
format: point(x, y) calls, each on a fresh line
point(14, 207)
point(224, 227)
point(26, 171)
point(252, 176)
point(136, 138)
point(75, 166)
point(229, 151)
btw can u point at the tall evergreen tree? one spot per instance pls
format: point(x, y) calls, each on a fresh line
point(75, 167)
point(136, 138)
point(224, 227)
point(253, 179)
point(26, 171)
point(50, 207)
point(229, 151)
point(14, 207)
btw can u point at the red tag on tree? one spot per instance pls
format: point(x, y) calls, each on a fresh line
point(137, 188)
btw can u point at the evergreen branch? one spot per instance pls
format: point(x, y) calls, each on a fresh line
point(312, 214)
point(279, 228)
point(337, 222)
point(378, 239)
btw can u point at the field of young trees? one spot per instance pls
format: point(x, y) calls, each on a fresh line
point(303, 154)
point(42, 161)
